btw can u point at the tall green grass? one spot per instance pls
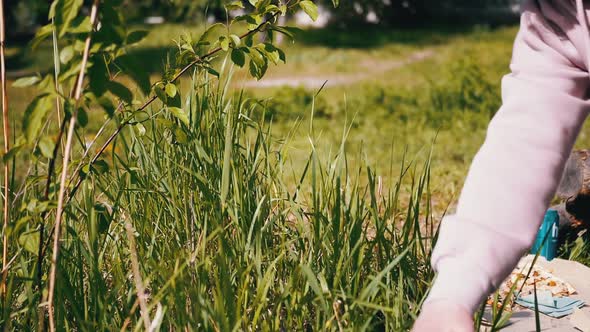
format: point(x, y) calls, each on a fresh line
point(232, 229)
point(224, 238)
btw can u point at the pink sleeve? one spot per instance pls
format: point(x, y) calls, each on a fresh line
point(514, 175)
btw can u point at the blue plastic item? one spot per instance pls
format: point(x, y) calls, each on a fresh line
point(549, 231)
point(555, 307)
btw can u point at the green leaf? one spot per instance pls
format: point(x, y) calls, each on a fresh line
point(171, 90)
point(257, 56)
point(235, 5)
point(272, 53)
point(46, 146)
point(25, 81)
point(272, 9)
point(30, 242)
point(253, 21)
point(46, 84)
point(224, 43)
point(180, 114)
point(260, 4)
point(248, 41)
point(35, 116)
point(253, 2)
point(336, 3)
point(287, 31)
point(371, 288)
point(180, 136)
point(160, 93)
point(136, 36)
point(258, 63)
point(227, 155)
point(235, 40)
point(100, 167)
point(174, 102)
point(52, 9)
point(13, 152)
point(41, 35)
point(64, 12)
point(73, 70)
point(140, 129)
point(212, 71)
point(310, 9)
point(238, 57)
point(208, 37)
point(312, 281)
point(282, 55)
point(85, 170)
point(165, 123)
point(202, 153)
point(257, 71)
point(82, 117)
point(66, 54)
point(80, 25)
point(120, 91)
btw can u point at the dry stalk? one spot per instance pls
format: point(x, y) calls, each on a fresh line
point(6, 148)
point(143, 306)
point(64, 174)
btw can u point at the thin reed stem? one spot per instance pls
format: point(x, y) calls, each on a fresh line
point(64, 175)
point(6, 132)
point(143, 306)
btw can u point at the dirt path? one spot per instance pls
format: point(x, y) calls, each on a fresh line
point(340, 79)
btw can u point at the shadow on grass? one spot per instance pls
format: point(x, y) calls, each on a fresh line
point(151, 60)
point(373, 36)
point(23, 62)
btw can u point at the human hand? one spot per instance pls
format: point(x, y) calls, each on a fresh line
point(443, 316)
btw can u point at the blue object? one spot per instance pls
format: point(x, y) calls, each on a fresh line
point(555, 307)
point(549, 231)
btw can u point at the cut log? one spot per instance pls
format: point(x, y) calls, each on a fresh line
point(574, 188)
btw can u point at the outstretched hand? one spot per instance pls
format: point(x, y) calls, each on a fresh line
point(443, 316)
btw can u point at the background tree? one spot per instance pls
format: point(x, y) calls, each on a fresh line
point(414, 12)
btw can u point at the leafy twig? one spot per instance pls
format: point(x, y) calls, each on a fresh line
point(153, 98)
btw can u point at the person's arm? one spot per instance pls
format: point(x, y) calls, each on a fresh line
point(514, 175)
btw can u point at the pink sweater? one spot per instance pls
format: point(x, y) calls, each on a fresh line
point(515, 173)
